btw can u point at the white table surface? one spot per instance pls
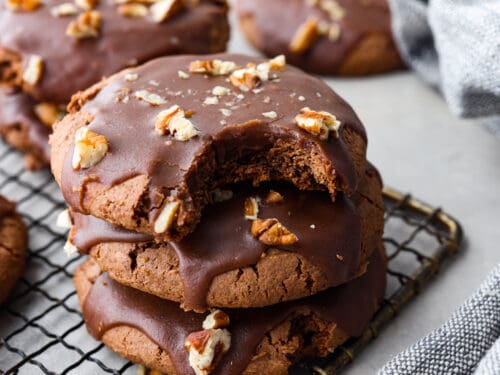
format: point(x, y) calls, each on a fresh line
point(420, 147)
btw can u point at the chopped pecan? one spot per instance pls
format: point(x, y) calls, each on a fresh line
point(216, 319)
point(251, 208)
point(164, 9)
point(90, 148)
point(133, 10)
point(272, 233)
point(318, 123)
point(167, 216)
point(87, 25)
point(34, 70)
point(274, 197)
point(305, 36)
point(173, 121)
point(86, 4)
point(206, 349)
point(23, 5)
point(48, 113)
point(212, 67)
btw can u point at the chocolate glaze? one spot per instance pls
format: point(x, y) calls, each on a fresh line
point(362, 17)
point(109, 305)
point(88, 231)
point(72, 65)
point(16, 109)
point(173, 168)
point(222, 240)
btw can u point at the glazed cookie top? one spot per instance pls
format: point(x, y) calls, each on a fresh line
point(318, 35)
point(62, 47)
point(109, 305)
point(145, 148)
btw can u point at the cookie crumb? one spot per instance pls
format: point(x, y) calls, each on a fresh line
point(270, 115)
point(149, 97)
point(64, 10)
point(220, 91)
point(183, 75)
point(226, 112)
point(131, 77)
point(211, 100)
point(64, 219)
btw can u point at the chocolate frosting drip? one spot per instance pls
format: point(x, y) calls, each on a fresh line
point(329, 236)
point(88, 231)
point(172, 167)
point(110, 305)
point(71, 65)
point(16, 108)
point(362, 17)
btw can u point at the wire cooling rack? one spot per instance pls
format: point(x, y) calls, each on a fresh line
point(41, 327)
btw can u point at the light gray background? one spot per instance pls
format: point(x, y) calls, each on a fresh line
point(421, 148)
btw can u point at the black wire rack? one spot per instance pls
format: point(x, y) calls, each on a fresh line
point(41, 326)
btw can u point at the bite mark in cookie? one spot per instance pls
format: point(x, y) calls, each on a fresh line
point(256, 128)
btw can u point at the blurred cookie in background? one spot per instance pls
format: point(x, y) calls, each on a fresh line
point(51, 50)
point(330, 37)
point(13, 244)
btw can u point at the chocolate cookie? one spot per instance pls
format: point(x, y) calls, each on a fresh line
point(152, 331)
point(339, 37)
point(49, 50)
point(13, 243)
point(144, 148)
point(332, 244)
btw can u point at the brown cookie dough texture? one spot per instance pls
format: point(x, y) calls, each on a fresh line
point(277, 274)
point(13, 243)
point(269, 340)
point(333, 37)
point(144, 148)
point(50, 50)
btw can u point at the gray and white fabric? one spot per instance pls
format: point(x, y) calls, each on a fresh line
point(469, 343)
point(455, 46)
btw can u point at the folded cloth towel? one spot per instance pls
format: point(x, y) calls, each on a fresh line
point(469, 343)
point(455, 46)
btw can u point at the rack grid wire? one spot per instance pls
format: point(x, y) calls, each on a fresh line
point(41, 326)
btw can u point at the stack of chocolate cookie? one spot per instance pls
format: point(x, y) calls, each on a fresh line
point(50, 49)
point(232, 220)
